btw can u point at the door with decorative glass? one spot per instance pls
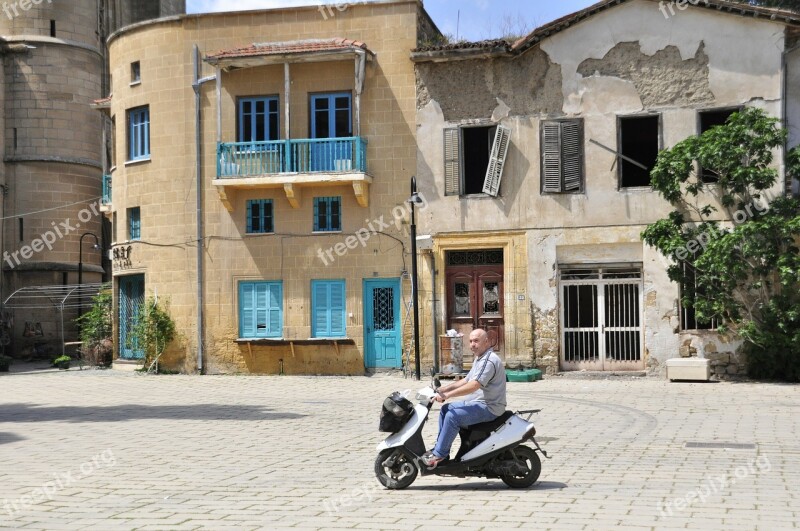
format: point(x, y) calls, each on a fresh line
point(131, 300)
point(475, 293)
point(382, 327)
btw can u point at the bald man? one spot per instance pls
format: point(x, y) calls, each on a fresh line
point(488, 376)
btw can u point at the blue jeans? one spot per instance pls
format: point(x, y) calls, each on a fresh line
point(456, 416)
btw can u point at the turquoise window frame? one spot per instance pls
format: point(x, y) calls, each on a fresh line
point(328, 308)
point(261, 300)
point(263, 222)
point(324, 218)
point(139, 133)
point(135, 223)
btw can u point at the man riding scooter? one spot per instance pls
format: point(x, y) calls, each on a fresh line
point(487, 378)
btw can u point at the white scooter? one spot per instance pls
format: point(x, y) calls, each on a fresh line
point(491, 449)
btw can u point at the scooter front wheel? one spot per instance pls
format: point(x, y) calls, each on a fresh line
point(527, 457)
point(400, 473)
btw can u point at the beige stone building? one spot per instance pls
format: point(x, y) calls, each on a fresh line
point(51, 174)
point(534, 157)
point(261, 171)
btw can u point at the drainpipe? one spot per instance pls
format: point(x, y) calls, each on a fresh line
point(436, 368)
point(196, 84)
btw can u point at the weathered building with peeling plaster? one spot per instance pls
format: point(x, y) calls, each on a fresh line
point(544, 248)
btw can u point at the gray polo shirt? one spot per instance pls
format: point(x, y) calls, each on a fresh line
point(488, 370)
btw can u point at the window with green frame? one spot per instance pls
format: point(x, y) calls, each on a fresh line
point(134, 223)
point(259, 216)
point(327, 214)
point(328, 308)
point(260, 309)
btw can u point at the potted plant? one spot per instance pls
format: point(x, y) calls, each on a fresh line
point(62, 362)
point(5, 363)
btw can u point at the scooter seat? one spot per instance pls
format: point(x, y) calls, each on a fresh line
point(490, 426)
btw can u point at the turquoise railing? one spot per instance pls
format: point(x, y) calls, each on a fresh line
point(106, 199)
point(315, 155)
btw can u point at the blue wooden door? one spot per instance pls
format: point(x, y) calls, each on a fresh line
point(131, 299)
point(382, 327)
point(331, 117)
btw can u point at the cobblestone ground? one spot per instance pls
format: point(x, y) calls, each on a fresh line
point(110, 450)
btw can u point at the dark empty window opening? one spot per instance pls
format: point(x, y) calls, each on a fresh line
point(52, 28)
point(709, 119)
point(689, 292)
point(136, 72)
point(477, 149)
point(638, 141)
point(16, 144)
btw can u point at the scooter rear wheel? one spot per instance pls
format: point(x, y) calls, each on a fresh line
point(398, 476)
point(532, 462)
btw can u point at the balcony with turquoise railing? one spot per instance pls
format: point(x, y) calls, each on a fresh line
point(105, 199)
point(293, 164)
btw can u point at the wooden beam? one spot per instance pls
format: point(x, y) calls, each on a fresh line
point(219, 105)
point(287, 84)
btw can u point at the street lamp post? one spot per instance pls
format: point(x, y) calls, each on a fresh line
point(80, 264)
point(415, 200)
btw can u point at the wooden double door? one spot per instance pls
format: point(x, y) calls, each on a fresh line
point(475, 296)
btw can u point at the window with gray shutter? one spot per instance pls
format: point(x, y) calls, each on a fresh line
point(562, 156)
point(452, 161)
point(497, 161)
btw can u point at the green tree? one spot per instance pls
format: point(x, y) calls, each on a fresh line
point(154, 330)
point(96, 329)
point(747, 271)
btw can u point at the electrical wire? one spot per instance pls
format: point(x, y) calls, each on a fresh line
point(51, 209)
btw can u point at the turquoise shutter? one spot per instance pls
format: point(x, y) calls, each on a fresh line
point(247, 323)
point(328, 308)
point(319, 309)
point(276, 310)
point(337, 309)
point(249, 216)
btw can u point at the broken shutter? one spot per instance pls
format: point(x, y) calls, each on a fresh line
point(551, 157)
point(497, 161)
point(571, 155)
point(452, 161)
point(562, 156)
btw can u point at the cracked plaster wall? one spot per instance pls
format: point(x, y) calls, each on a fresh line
point(624, 61)
point(472, 89)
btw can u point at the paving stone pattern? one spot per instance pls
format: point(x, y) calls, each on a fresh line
point(109, 450)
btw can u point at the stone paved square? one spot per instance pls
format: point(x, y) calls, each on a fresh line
point(111, 450)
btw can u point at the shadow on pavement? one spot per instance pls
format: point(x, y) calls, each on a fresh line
point(487, 486)
point(6, 438)
point(34, 413)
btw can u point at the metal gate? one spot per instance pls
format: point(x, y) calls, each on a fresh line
point(601, 319)
point(131, 299)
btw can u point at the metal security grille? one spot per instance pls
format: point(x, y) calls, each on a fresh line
point(383, 308)
point(601, 318)
point(131, 299)
point(487, 257)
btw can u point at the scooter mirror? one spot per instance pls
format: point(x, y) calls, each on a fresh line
point(436, 383)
